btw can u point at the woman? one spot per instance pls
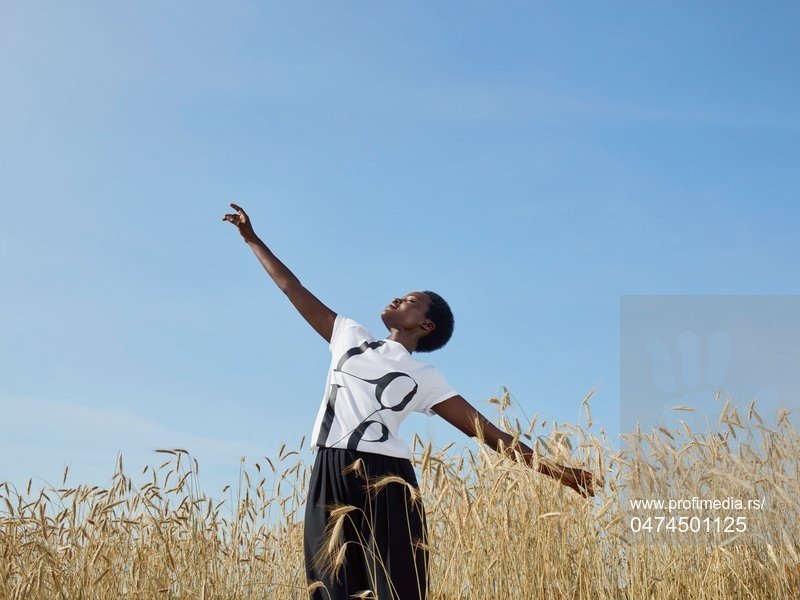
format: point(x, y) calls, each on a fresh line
point(364, 531)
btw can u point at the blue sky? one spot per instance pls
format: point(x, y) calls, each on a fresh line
point(531, 162)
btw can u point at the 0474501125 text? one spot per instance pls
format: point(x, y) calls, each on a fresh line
point(684, 524)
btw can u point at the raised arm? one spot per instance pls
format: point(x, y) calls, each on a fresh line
point(466, 418)
point(319, 316)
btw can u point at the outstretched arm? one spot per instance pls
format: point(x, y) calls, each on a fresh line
point(319, 316)
point(466, 418)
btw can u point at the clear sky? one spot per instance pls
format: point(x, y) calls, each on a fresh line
point(530, 161)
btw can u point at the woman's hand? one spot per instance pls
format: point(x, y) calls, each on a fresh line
point(242, 222)
point(579, 480)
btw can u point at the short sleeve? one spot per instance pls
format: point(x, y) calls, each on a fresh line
point(346, 333)
point(337, 329)
point(436, 389)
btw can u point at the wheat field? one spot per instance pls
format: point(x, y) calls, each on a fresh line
point(496, 529)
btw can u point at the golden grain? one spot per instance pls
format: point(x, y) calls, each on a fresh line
point(496, 529)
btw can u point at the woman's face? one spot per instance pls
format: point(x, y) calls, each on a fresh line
point(406, 312)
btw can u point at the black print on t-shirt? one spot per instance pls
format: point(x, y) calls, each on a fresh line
point(381, 383)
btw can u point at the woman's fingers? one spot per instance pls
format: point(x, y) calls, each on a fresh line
point(587, 483)
point(240, 209)
point(231, 218)
point(581, 481)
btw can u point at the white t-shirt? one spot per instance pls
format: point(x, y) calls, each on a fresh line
point(372, 386)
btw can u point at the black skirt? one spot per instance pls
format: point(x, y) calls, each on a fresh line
point(384, 535)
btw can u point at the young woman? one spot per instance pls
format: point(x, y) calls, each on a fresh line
point(371, 386)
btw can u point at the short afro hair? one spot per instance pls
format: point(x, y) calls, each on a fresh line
point(439, 312)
